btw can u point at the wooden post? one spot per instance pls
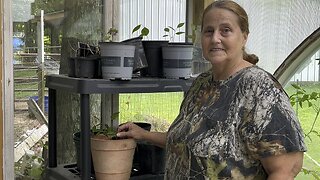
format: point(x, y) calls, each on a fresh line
point(1, 95)
point(110, 102)
point(7, 108)
point(41, 84)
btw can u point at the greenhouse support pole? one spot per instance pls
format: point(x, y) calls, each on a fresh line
point(41, 83)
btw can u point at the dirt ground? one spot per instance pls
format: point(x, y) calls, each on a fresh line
point(23, 121)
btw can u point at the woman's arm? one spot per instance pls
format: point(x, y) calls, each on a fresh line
point(131, 130)
point(285, 166)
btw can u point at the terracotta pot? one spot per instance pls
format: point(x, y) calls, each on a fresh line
point(112, 159)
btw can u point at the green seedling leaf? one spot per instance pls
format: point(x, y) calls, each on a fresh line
point(180, 25)
point(165, 35)
point(136, 28)
point(166, 29)
point(144, 31)
point(178, 33)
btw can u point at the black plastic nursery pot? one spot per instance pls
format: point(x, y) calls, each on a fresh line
point(71, 67)
point(87, 67)
point(153, 52)
point(148, 159)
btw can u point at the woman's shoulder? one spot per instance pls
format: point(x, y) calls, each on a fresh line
point(258, 78)
point(257, 74)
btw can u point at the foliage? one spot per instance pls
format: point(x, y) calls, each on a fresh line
point(48, 6)
point(31, 166)
point(144, 31)
point(108, 37)
point(302, 97)
point(172, 32)
point(109, 132)
point(315, 174)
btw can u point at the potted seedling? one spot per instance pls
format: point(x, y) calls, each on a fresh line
point(112, 157)
point(177, 57)
point(152, 50)
point(117, 59)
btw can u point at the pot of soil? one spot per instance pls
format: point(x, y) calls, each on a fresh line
point(86, 67)
point(177, 60)
point(112, 159)
point(117, 60)
point(152, 50)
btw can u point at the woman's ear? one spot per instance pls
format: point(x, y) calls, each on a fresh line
point(245, 37)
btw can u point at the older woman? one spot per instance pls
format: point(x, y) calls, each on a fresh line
point(236, 121)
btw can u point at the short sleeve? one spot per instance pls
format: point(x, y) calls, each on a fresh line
point(270, 126)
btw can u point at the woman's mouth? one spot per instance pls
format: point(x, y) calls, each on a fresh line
point(216, 49)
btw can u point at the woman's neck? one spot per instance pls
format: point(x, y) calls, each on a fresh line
point(224, 71)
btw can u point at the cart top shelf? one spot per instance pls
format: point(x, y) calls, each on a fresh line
point(98, 86)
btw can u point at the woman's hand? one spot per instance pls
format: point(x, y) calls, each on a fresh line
point(131, 130)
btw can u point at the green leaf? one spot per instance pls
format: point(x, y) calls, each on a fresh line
point(165, 35)
point(166, 29)
point(136, 28)
point(300, 103)
point(145, 31)
point(309, 104)
point(180, 25)
point(296, 86)
point(178, 33)
point(314, 95)
point(305, 97)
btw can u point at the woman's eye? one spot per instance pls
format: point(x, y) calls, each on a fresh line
point(226, 30)
point(208, 32)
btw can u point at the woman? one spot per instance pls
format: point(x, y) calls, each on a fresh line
point(236, 121)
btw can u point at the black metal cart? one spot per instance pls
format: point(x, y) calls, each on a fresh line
point(85, 87)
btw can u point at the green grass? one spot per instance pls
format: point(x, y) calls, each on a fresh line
point(25, 73)
point(162, 106)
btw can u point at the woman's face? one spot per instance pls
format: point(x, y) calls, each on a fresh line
point(222, 38)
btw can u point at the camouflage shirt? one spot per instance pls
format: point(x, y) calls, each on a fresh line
point(225, 127)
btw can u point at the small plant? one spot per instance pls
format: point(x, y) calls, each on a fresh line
point(32, 165)
point(144, 31)
point(108, 37)
point(106, 132)
point(172, 32)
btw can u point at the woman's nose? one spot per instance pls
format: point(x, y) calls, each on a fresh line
point(216, 37)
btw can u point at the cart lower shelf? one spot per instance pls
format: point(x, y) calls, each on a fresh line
point(70, 172)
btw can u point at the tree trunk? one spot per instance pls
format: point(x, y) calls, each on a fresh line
point(82, 22)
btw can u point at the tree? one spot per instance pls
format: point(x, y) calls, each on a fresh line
point(81, 23)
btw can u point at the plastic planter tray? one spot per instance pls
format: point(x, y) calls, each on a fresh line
point(70, 172)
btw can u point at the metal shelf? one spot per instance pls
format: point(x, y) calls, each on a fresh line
point(135, 85)
point(85, 87)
